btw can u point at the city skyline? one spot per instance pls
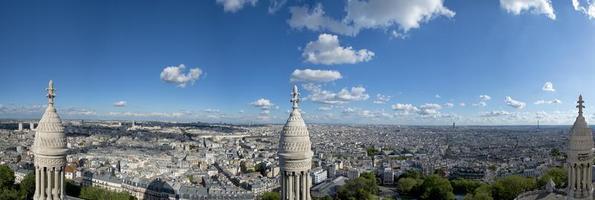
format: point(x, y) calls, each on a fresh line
point(481, 63)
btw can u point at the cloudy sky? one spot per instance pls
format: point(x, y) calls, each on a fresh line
point(359, 61)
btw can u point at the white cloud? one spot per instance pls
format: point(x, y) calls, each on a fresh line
point(484, 97)
point(235, 5)
point(381, 99)
point(588, 8)
point(482, 100)
point(325, 108)
point(120, 103)
point(403, 15)
point(210, 110)
point(149, 114)
point(327, 50)
point(22, 109)
point(548, 87)
point(514, 103)
point(497, 113)
point(314, 19)
point(357, 93)
point(276, 5)
point(78, 112)
point(449, 105)
point(263, 104)
point(516, 7)
point(555, 101)
point(317, 94)
point(437, 96)
point(462, 104)
point(406, 108)
point(175, 75)
point(310, 75)
point(481, 103)
point(429, 109)
point(348, 110)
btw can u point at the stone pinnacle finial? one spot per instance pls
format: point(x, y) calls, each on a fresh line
point(580, 105)
point(51, 92)
point(295, 97)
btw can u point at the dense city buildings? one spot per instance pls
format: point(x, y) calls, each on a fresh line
point(156, 160)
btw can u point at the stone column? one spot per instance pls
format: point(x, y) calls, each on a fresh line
point(289, 184)
point(56, 182)
point(62, 183)
point(50, 175)
point(570, 179)
point(584, 177)
point(283, 185)
point(574, 177)
point(308, 186)
point(296, 189)
point(589, 175)
point(303, 185)
point(42, 183)
point(37, 181)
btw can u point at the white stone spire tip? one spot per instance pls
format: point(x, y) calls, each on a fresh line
point(580, 105)
point(51, 92)
point(295, 97)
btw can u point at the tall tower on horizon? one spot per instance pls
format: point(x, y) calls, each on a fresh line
point(295, 155)
point(580, 157)
point(50, 151)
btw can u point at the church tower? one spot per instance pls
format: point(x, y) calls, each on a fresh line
point(50, 150)
point(295, 155)
point(580, 157)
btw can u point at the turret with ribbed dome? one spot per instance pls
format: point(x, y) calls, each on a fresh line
point(295, 155)
point(49, 148)
point(579, 157)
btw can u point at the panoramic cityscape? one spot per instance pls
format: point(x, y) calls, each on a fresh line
point(297, 100)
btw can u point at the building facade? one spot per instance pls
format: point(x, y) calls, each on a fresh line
point(295, 155)
point(49, 148)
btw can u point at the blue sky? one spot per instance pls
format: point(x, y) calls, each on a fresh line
point(374, 61)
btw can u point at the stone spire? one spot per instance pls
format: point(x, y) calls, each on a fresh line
point(580, 105)
point(295, 155)
point(49, 148)
point(579, 157)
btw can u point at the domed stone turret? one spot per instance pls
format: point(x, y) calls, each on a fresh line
point(50, 151)
point(295, 155)
point(580, 157)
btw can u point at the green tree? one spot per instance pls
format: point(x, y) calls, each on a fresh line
point(372, 151)
point(6, 177)
point(322, 198)
point(464, 186)
point(483, 192)
point(411, 174)
point(27, 186)
point(95, 193)
point(271, 196)
point(436, 188)
point(557, 174)
point(408, 185)
point(361, 188)
point(8, 194)
point(510, 187)
point(555, 152)
point(72, 189)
